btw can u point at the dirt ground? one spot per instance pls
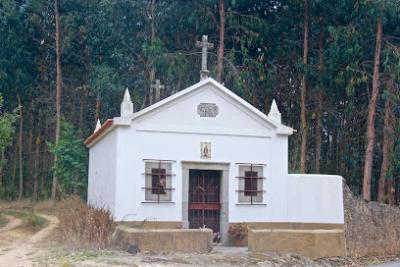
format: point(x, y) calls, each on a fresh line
point(20, 247)
point(18, 244)
point(56, 255)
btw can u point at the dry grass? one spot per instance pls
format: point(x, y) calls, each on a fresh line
point(29, 219)
point(16, 205)
point(3, 220)
point(84, 226)
point(43, 206)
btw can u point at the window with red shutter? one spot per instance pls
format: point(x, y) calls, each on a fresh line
point(158, 184)
point(158, 181)
point(251, 190)
point(250, 183)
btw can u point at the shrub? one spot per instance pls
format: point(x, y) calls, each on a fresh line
point(83, 225)
point(34, 221)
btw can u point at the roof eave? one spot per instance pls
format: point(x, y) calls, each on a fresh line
point(97, 135)
point(127, 120)
point(285, 130)
point(282, 129)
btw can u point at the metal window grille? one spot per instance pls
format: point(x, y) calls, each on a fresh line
point(204, 199)
point(251, 184)
point(158, 183)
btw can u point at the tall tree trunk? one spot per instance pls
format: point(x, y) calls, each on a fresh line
point(14, 164)
point(58, 94)
point(153, 17)
point(98, 107)
point(254, 97)
point(45, 160)
point(391, 191)
point(387, 146)
point(303, 91)
point(21, 178)
point(334, 151)
point(152, 36)
point(82, 110)
point(75, 189)
point(36, 169)
point(1, 166)
point(318, 110)
point(221, 46)
point(369, 153)
point(28, 155)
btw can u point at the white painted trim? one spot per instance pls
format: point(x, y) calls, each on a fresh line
point(238, 102)
point(158, 202)
point(158, 160)
point(250, 204)
point(205, 162)
point(283, 129)
point(315, 176)
point(248, 164)
point(204, 132)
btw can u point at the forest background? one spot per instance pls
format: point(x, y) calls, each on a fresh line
point(333, 67)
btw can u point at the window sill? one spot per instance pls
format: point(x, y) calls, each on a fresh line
point(158, 202)
point(251, 204)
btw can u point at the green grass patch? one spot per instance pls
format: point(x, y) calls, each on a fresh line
point(82, 255)
point(29, 219)
point(3, 220)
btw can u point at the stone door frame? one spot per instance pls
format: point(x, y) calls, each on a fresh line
point(224, 194)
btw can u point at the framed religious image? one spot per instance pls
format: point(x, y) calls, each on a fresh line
point(205, 150)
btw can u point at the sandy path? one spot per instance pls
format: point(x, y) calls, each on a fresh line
point(388, 264)
point(11, 224)
point(17, 254)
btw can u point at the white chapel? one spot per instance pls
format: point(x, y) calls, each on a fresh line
point(204, 157)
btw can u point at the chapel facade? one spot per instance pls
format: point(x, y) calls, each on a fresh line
point(204, 157)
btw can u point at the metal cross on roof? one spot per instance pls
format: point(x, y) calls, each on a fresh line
point(204, 44)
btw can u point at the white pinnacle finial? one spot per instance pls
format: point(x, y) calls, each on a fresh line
point(274, 113)
point(98, 125)
point(126, 104)
point(127, 96)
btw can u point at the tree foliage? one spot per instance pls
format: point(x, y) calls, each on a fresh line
point(71, 164)
point(107, 46)
point(7, 127)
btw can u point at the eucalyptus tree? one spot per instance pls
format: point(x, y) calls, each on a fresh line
point(7, 128)
point(259, 53)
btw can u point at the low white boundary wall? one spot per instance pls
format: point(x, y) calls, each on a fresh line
point(315, 198)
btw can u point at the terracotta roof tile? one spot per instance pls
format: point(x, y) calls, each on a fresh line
point(100, 131)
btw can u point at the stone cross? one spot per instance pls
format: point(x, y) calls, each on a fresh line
point(204, 44)
point(157, 88)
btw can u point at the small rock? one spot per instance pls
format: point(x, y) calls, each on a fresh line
point(132, 249)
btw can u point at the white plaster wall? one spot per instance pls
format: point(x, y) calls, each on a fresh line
point(102, 172)
point(175, 133)
point(273, 153)
point(131, 179)
point(315, 198)
point(178, 147)
point(181, 116)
